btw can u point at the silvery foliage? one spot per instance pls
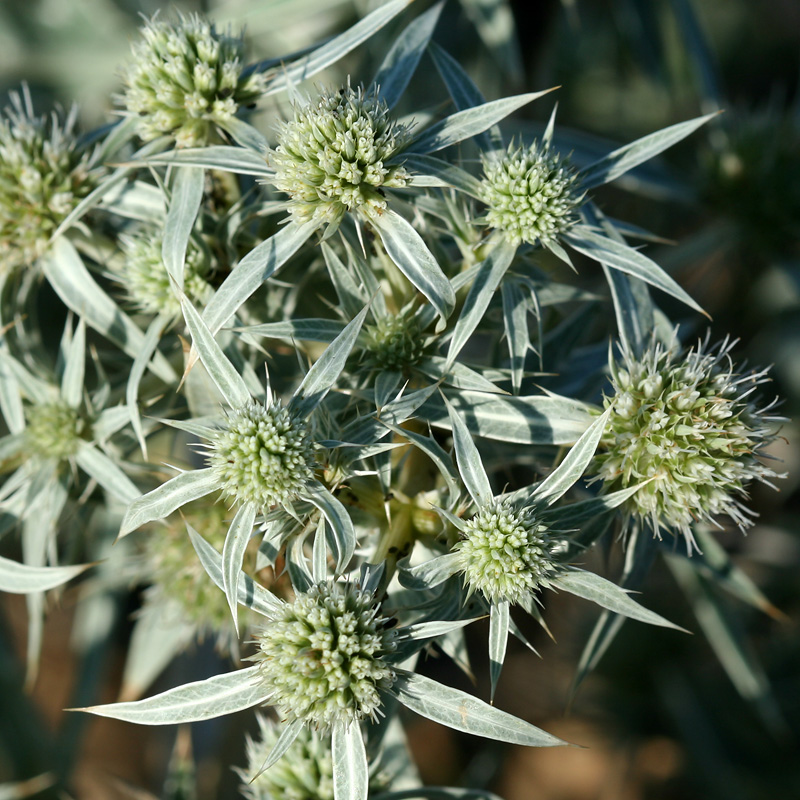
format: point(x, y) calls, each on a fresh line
point(336, 309)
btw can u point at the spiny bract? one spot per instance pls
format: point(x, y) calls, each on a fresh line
point(324, 660)
point(530, 194)
point(686, 423)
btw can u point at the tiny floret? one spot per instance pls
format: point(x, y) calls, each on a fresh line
point(506, 554)
point(43, 176)
point(54, 430)
point(184, 77)
point(325, 659)
point(264, 456)
point(334, 156)
point(687, 424)
point(305, 772)
point(530, 194)
point(146, 280)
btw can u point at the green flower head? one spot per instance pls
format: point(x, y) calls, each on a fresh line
point(334, 155)
point(325, 658)
point(394, 342)
point(304, 773)
point(530, 194)
point(184, 78)
point(505, 554)
point(264, 456)
point(43, 176)
point(54, 430)
point(687, 424)
point(145, 277)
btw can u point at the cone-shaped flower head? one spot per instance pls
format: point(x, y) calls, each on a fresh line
point(332, 156)
point(264, 456)
point(325, 660)
point(394, 342)
point(687, 422)
point(184, 77)
point(146, 279)
point(530, 193)
point(54, 430)
point(304, 773)
point(506, 554)
point(43, 176)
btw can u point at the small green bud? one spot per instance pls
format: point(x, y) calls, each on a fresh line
point(43, 177)
point(530, 194)
point(54, 430)
point(332, 156)
point(324, 659)
point(394, 342)
point(264, 456)
point(184, 77)
point(685, 423)
point(505, 554)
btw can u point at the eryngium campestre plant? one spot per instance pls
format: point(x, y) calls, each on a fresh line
point(264, 456)
point(304, 773)
point(531, 194)
point(43, 176)
point(505, 553)
point(324, 659)
point(687, 423)
point(334, 155)
point(186, 77)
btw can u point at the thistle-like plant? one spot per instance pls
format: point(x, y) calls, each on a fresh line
point(686, 423)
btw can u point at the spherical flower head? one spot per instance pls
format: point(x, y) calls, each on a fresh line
point(264, 455)
point(43, 176)
point(145, 277)
point(332, 156)
point(305, 772)
point(506, 554)
point(325, 659)
point(394, 343)
point(54, 430)
point(185, 77)
point(686, 423)
point(530, 193)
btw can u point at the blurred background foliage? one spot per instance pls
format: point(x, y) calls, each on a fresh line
point(663, 716)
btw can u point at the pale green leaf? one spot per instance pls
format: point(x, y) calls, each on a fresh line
point(187, 194)
point(240, 160)
point(17, 578)
point(350, 770)
point(431, 573)
point(236, 541)
point(499, 619)
point(470, 464)
point(95, 463)
point(72, 381)
point(432, 171)
point(343, 542)
point(304, 330)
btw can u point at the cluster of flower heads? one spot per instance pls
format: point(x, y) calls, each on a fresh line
point(685, 422)
point(304, 773)
point(334, 156)
point(146, 280)
point(185, 77)
point(325, 659)
point(531, 194)
point(505, 554)
point(43, 176)
point(264, 455)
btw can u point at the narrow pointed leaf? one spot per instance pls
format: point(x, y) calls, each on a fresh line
point(490, 273)
point(432, 171)
point(561, 479)
point(469, 461)
point(289, 732)
point(231, 159)
point(515, 324)
point(304, 330)
point(431, 573)
point(250, 594)
point(608, 595)
point(259, 264)
point(222, 372)
point(99, 466)
point(17, 578)
point(168, 497)
point(72, 380)
point(319, 553)
point(622, 257)
point(410, 253)
point(326, 369)
point(193, 702)
point(245, 134)
point(469, 122)
point(149, 345)
point(631, 155)
point(79, 291)
point(187, 194)
point(343, 544)
point(465, 713)
point(432, 630)
point(499, 619)
point(236, 541)
point(350, 771)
